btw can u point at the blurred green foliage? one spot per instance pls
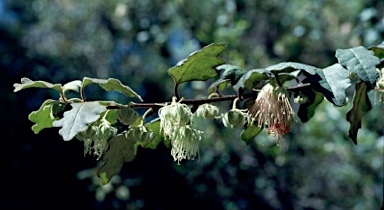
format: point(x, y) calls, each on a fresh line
point(317, 167)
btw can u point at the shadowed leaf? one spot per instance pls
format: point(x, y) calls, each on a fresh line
point(361, 105)
point(307, 110)
point(250, 132)
point(120, 150)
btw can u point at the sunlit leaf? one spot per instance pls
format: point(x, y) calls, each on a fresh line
point(27, 83)
point(120, 151)
point(199, 65)
point(78, 118)
point(112, 85)
point(361, 105)
point(73, 86)
point(361, 62)
point(42, 117)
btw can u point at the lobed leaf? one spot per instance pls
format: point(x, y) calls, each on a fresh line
point(361, 62)
point(120, 150)
point(78, 118)
point(335, 80)
point(361, 105)
point(43, 118)
point(111, 85)
point(199, 65)
point(28, 83)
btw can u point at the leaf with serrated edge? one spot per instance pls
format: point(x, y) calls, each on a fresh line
point(361, 105)
point(120, 150)
point(250, 132)
point(335, 79)
point(287, 67)
point(73, 86)
point(42, 117)
point(199, 65)
point(112, 85)
point(360, 61)
point(28, 83)
point(78, 118)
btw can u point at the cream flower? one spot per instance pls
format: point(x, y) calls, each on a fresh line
point(185, 143)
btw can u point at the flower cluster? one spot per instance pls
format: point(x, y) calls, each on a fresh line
point(272, 109)
point(175, 120)
point(96, 137)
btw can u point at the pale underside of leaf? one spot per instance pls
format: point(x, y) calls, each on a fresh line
point(360, 61)
point(42, 117)
point(78, 118)
point(335, 79)
point(28, 83)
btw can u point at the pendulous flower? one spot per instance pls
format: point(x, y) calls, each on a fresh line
point(272, 109)
point(185, 143)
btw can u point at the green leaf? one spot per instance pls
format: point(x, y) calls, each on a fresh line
point(307, 110)
point(27, 83)
point(335, 79)
point(73, 86)
point(361, 105)
point(361, 62)
point(250, 132)
point(153, 126)
point(199, 65)
point(252, 78)
point(378, 50)
point(287, 67)
point(220, 84)
point(78, 118)
point(231, 73)
point(112, 85)
point(120, 150)
point(43, 117)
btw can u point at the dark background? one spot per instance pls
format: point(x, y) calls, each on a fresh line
point(137, 41)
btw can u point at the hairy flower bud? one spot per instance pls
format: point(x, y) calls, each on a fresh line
point(235, 118)
point(139, 133)
point(301, 99)
point(90, 133)
point(207, 111)
point(174, 115)
point(127, 116)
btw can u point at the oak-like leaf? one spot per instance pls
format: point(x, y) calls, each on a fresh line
point(361, 105)
point(43, 117)
point(28, 83)
point(199, 66)
point(121, 150)
point(112, 85)
point(360, 61)
point(78, 118)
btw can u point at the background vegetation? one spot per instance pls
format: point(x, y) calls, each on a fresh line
point(317, 167)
